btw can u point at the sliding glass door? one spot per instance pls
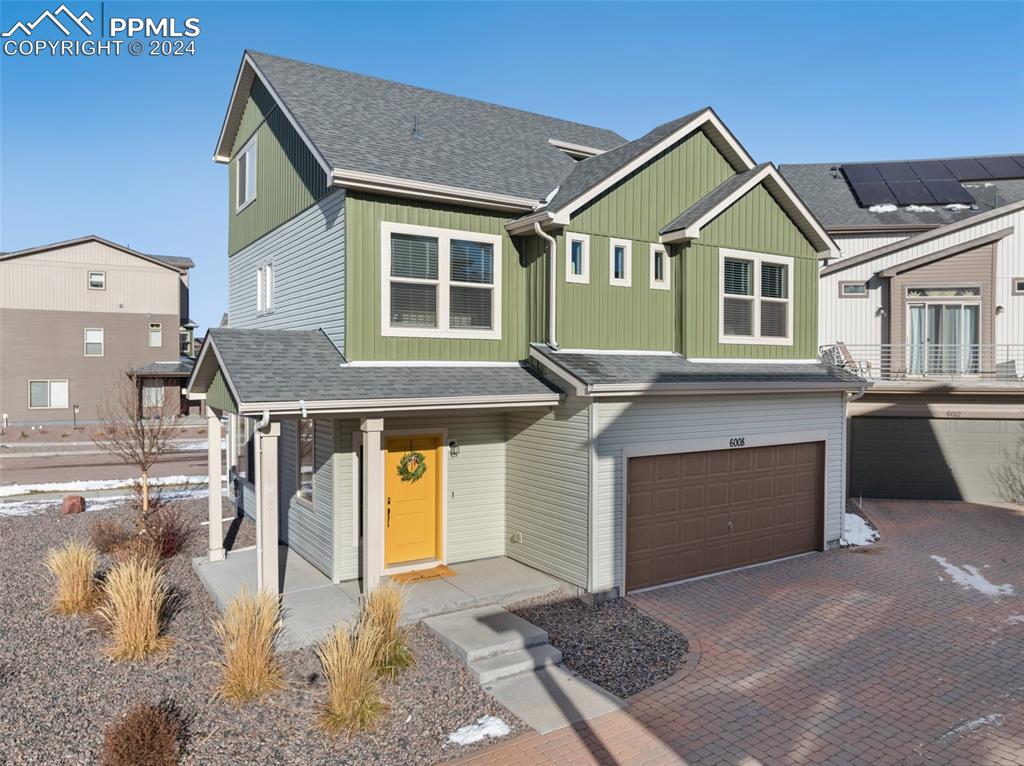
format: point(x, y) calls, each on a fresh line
point(942, 338)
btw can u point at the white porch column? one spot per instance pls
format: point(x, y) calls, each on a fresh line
point(373, 502)
point(213, 467)
point(268, 575)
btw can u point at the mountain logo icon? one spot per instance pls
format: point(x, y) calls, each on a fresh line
point(55, 17)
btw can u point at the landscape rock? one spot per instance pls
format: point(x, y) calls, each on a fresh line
point(72, 504)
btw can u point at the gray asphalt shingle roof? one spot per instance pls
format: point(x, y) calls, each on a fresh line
point(832, 201)
point(712, 198)
point(365, 124)
point(303, 365)
point(170, 369)
point(593, 170)
point(674, 370)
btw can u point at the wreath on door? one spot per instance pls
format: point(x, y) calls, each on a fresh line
point(412, 466)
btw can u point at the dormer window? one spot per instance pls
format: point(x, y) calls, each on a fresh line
point(245, 175)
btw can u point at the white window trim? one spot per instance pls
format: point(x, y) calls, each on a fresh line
point(443, 281)
point(259, 289)
point(628, 246)
point(579, 279)
point(158, 326)
point(85, 342)
point(103, 279)
point(1015, 283)
point(666, 283)
point(758, 259)
point(308, 503)
point(49, 398)
point(845, 295)
point(250, 144)
point(269, 283)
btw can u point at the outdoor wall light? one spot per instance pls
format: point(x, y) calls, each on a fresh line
point(999, 310)
point(880, 312)
point(453, 448)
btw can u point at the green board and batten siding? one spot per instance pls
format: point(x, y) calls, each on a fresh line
point(288, 177)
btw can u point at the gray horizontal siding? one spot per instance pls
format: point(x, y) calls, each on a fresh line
point(308, 253)
point(643, 421)
point(309, 531)
point(548, 488)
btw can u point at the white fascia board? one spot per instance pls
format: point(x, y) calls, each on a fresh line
point(707, 118)
point(676, 389)
point(354, 179)
point(355, 406)
point(524, 225)
point(580, 388)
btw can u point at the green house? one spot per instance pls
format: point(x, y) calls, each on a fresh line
point(461, 332)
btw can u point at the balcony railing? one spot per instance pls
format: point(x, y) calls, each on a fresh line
point(1002, 363)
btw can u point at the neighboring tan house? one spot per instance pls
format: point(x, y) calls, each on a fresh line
point(75, 314)
point(461, 331)
point(927, 301)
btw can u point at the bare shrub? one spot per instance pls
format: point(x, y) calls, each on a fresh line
point(249, 631)
point(1008, 475)
point(349, 664)
point(146, 735)
point(74, 569)
point(106, 534)
point(170, 528)
point(138, 546)
point(382, 613)
point(135, 593)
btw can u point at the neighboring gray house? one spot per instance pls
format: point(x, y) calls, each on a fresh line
point(75, 314)
point(927, 301)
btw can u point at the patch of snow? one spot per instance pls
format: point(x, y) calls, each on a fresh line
point(488, 726)
point(856, 531)
point(956, 207)
point(887, 208)
point(993, 719)
point(104, 503)
point(970, 577)
point(1015, 619)
point(90, 485)
point(919, 209)
point(194, 446)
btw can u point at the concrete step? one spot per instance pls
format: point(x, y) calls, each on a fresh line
point(485, 631)
point(509, 664)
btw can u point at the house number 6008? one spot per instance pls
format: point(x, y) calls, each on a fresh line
point(739, 441)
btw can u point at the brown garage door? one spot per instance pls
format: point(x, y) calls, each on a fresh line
point(693, 513)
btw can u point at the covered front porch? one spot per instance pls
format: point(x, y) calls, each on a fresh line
point(313, 604)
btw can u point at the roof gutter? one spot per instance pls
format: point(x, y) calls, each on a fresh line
point(356, 406)
point(405, 187)
point(552, 283)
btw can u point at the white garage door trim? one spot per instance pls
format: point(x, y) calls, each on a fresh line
point(709, 445)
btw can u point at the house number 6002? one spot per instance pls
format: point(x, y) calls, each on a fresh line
point(739, 441)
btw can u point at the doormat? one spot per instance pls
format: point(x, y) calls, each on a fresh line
point(441, 570)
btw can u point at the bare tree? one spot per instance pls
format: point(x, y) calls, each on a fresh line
point(1009, 475)
point(136, 431)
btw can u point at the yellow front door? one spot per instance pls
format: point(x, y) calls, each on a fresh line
point(412, 484)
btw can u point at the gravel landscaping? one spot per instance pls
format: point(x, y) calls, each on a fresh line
point(613, 644)
point(58, 692)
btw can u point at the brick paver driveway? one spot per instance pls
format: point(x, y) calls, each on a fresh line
point(875, 656)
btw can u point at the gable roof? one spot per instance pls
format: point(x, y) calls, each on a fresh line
point(291, 370)
point(831, 198)
point(687, 225)
point(362, 128)
point(177, 263)
point(947, 252)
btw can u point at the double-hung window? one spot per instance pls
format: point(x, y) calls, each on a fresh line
point(577, 258)
point(660, 279)
point(94, 342)
point(245, 176)
point(757, 298)
point(48, 394)
point(156, 335)
point(305, 460)
point(439, 282)
point(620, 262)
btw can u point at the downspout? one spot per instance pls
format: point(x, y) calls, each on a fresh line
point(552, 283)
point(263, 421)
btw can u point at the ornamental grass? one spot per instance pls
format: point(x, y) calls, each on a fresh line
point(134, 596)
point(74, 569)
point(381, 614)
point(349, 663)
point(249, 631)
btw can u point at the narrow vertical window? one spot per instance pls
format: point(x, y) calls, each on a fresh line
point(620, 266)
point(660, 279)
point(259, 290)
point(268, 287)
point(156, 335)
point(577, 258)
point(245, 175)
point(305, 459)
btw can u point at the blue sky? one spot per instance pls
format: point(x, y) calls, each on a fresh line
point(121, 146)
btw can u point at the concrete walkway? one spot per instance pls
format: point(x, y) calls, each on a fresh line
point(313, 605)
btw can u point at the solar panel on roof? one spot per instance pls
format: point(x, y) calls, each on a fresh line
point(967, 169)
point(947, 192)
point(1001, 167)
point(896, 172)
point(873, 193)
point(932, 170)
point(911, 193)
point(861, 173)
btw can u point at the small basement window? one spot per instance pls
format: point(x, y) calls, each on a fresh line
point(853, 290)
point(245, 175)
point(97, 280)
point(660, 279)
point(577, 258)
point(48, 394)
